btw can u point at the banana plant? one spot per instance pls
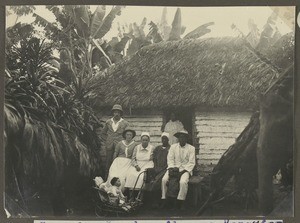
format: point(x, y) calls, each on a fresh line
point(81, 34)
point(137, 37)
point(270, 33)
point(177, 29)
point(93, 28)
point(174, 32)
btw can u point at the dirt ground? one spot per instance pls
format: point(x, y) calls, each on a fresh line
point(231, 206)
point(82, 202)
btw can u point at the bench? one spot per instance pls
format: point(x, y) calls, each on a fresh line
point(195, 189)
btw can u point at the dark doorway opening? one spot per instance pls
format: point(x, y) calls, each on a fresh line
point(185, 115)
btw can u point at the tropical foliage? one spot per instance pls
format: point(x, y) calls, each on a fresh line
point(261, 40)
point(269, 44)
point(49, 119)
point(162, 32)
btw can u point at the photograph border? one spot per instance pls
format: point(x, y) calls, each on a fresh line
point(202, 3)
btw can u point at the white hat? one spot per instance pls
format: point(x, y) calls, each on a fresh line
point(165, 134)
point(145, 134)
point(182, 132)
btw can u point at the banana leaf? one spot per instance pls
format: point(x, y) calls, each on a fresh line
point(163, 26)
point(107, 22)
point(82, 20)
point(120, 46)
point(199, 31)
point(154, 34)
point(136, 31)
point(97, 19)
point(45, 23)
point(254, 34)
point(267, 37)
point(163, 20)
point(176, 26)
point(142, 26)
point(96, 43)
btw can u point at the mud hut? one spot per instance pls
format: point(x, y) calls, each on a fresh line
point(212, 84)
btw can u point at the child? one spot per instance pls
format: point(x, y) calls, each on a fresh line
point(116, 195)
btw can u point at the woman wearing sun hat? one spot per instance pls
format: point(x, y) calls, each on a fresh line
point(122, 157)
point(142, 158)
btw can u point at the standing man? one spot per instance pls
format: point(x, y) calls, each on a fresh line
point(113, 128)
point(173, 126)
point(182, 156)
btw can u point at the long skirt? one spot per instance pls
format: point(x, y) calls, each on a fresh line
point(119, 168)
point(133, 174)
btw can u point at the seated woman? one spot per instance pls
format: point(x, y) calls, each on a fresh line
point(141, 159)
point(155, 175)
point(160, 154)
point(122, 157)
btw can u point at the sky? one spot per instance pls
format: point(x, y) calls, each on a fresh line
point(192, 17)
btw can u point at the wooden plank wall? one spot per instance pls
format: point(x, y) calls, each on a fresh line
point(145, 123)
point(215, 132)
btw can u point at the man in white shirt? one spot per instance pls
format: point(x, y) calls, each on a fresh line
point(182, 156)
point(113, 128)
point(172, 127)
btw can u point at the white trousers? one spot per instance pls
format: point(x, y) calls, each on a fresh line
point(183, 185)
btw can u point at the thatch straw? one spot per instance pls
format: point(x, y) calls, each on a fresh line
point(207, 72)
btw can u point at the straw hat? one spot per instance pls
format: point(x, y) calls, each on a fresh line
point(181, 132)
point(117, 107)
point(129, 130)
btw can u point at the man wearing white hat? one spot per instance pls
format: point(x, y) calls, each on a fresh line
point(113, 128)
point(182, 156)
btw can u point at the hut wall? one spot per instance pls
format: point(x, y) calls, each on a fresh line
point(147, 123)
point(215, 132)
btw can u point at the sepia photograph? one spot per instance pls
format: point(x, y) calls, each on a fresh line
point(122, 112)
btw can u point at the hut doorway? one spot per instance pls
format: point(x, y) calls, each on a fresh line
point(185, 116)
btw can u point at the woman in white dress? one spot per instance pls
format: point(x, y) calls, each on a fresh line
point(173, 126)
point(142, 158)
point(122, 157)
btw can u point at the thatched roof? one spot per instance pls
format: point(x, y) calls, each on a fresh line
point(217, 72)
